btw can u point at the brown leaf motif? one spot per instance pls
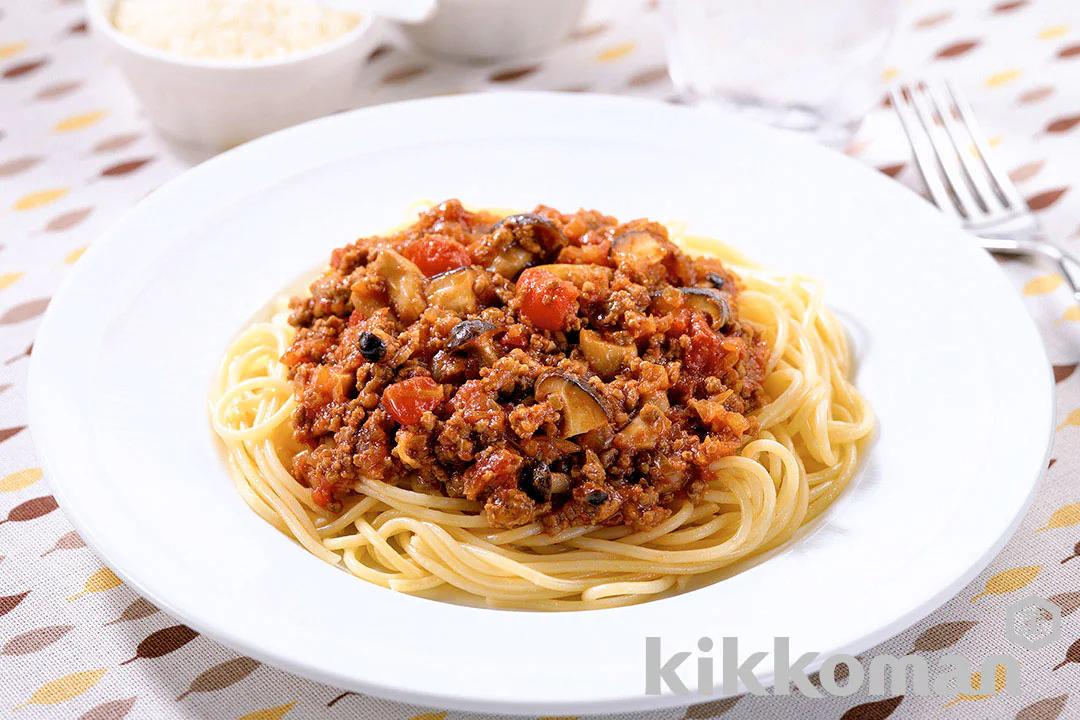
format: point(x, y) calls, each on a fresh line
point(1072, 655)
point(221, 676)
point(163, 642)
point(1026, 171)
point(58, 90)
point(24, 311)
point(112, 710)
point(942, 635)
point(513, 74)
point(404, 74)
point(1069, 51)
point(1069, 602)
point(877, 710)
point(116, 142)
point(10, 432)
point(10, 602)
point(68, 220)
point(67, 541)
point(138, 609)
point(18, 165)
point(1063, 124)
point(32, 509)
point(1063, 372)
point(957, 49)
point(1046, 709)
point(24, 68)
point(125, 168)
point(339, 698)
point(711, 709)
point(934, 20)
point(1035, 95)
point(1045, 199)
point(34, 640)
point(1009, 6)
point(649, 76)
point(892, 170)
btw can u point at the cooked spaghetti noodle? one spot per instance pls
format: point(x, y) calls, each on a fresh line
point(806, 450)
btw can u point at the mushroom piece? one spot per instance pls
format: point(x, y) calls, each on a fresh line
point(640, 249)
point(709, 301)
point(405, 284)
point(644, 431)
point(453, 290)
point(606, 358)
point(582, 408)
point(474, 335)
point(540, 483)
point(579, 274)
point(520, 239)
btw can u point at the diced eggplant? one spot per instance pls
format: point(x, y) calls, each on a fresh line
point(582, 408)
point(709, 301)
point(606, 358)
point(405, 284)
point(475, 336)
point(533, 232)
point(640, 249)
point(453, 290)
point(510, 261)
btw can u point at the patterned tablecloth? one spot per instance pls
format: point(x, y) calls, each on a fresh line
point(76, 153)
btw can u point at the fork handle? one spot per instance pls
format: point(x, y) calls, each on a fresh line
point(1067, 263)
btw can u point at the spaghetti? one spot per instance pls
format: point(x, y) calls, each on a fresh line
point(811, 429)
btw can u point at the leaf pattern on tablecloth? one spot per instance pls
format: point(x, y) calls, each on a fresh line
point(1046, 709)
point(38, 198)
point(1043, 284)
point(10, 602)
point(956, 49)
point(221, 676)
point(34, 640)
point(1008, 581)
point(1072, 655)
point(68, 220)
point(126, 168)
point(512, 74)
point(977, 693)
point(68, 541)
point(271, 713)
point(58, 90)
point(19, 165)
point(163, 642)
point(943, 635)
point(1069, 602)
point(1045, 199)
point(99, 581)
point(139, 608)
point(1069, 51)
point(20, 479)
point(116, 142)
point(111, 710)
point(876, 710)
point(32, 509)
point(24, 68)
point(65, 688)
point(711, 709)
point(79, 121)
point(1064, 516)
point(1034, 95)
point(1063, 124)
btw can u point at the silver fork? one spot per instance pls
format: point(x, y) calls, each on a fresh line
point(964, 181)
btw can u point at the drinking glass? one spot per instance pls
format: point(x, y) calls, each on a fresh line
point(809, 65)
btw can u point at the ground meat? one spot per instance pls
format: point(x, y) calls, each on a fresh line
point(596, 391)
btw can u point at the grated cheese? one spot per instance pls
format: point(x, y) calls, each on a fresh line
point(231, 29)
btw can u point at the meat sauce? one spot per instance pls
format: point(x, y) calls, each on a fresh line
point(561, 368)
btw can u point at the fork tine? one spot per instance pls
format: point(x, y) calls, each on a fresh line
point(946, 153)
point(962, 142)
point(1008, 191)
point(925, 158)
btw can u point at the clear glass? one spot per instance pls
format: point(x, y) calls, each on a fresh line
point(809, 65)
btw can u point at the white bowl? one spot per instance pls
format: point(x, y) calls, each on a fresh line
point(220, 103)
point(495, 29)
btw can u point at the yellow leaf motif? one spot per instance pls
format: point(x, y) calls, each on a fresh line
point(1008, 581)
point(1072, 418)
point(1043, 284)
point(976, 678)
point(616, 52)
point(9, 279)
point(1071, 314)
point(104, 579)
point(74, 255)
point(429, 716)
point(1054, 31)
point(20, 479)
point(11, 49)
point(890, 73)
point(1000, 78)
point(65, 688)
point(274, 713)
point(78, 122)
point(39, 198)
point(1064, 516)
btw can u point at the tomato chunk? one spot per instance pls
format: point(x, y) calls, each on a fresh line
point(408, 400)
point(436, 254)
point(546, 301)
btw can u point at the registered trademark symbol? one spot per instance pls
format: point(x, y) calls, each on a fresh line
point(1032, 623)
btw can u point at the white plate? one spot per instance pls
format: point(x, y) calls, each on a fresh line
point(948, 358)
